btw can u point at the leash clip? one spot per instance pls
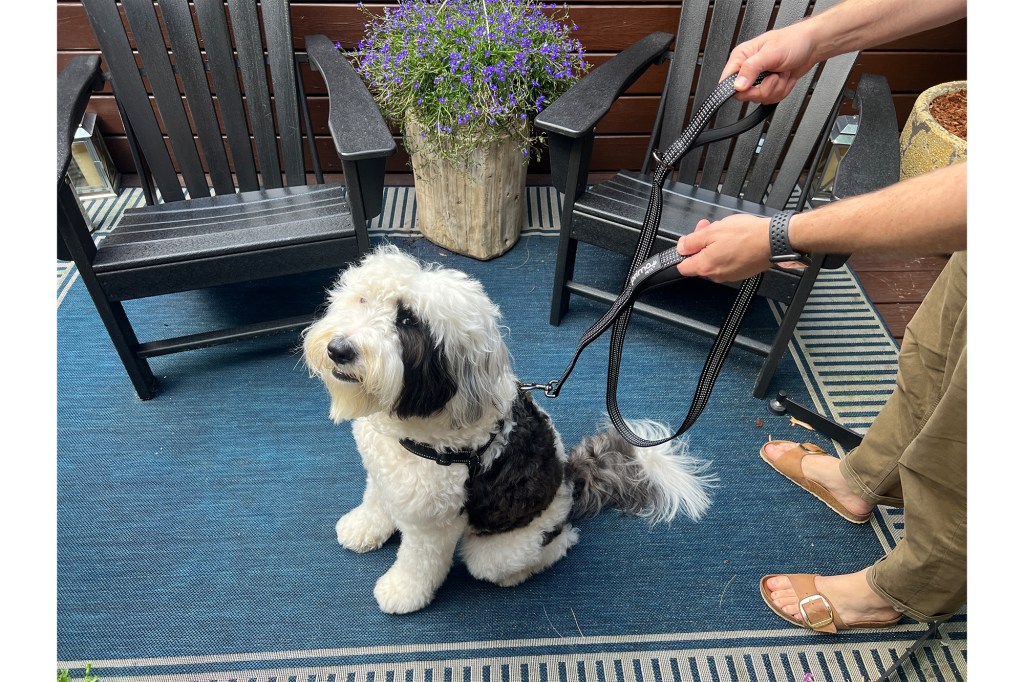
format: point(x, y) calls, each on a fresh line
point(550, 389)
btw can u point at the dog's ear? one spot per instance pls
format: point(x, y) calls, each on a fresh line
point(427, 381)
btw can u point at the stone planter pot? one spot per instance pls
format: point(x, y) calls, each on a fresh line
point(924, 144)
point(476, 210)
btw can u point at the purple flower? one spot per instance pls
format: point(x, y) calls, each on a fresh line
point(474, 65)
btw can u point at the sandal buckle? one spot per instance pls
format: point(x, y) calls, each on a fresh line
point(827, 620)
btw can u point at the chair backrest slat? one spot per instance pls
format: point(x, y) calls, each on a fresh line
point(150, 43)
point(281, 56)
point(754, 23)
point(189, 62)
point(251, 63)
point(129, 88)
point(816, 117)
point(680, 74)
point(775, 140)
point(745, 148)
point(719, 34)
point(768, 159)
point(195, 81)
point(221, 60)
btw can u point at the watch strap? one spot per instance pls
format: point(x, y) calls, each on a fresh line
point(778, 238)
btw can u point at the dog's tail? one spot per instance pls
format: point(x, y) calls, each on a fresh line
point(656, 483)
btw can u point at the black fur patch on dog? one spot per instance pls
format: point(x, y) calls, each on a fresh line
point(427, 383)
point(522, 480)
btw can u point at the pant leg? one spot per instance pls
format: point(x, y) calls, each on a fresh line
point(925, 575)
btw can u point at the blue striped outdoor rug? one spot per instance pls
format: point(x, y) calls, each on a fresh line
point(196, 530)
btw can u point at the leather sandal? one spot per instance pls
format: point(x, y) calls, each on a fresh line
point(816, 613)
point(788, 464)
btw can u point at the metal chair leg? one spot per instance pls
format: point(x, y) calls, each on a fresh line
point(933, 628)
point(781, 404)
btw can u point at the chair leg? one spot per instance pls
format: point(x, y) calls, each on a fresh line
point(578, 158)
point(125, 342)
point(123, 337)
point(564, 267)
point(933, 628)
point(793, 311)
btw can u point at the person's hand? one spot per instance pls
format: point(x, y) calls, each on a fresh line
point(729, 250)
point(787, 53)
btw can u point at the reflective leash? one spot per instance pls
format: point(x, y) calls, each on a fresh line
point(647, 272)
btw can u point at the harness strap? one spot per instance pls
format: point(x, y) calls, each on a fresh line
point(468, 456)
point(647, 272)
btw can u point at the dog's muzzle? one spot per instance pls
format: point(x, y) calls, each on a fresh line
point(342, 352)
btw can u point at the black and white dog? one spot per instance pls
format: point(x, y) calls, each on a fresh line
point(413, 354)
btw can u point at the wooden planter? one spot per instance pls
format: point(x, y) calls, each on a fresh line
point(474, 210)
point(924, 144)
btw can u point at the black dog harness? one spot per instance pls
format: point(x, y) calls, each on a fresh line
point(469, 456)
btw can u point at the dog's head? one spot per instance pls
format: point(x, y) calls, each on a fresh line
point(411, 340)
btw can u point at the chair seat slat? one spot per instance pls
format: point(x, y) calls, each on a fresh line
point(246, 232)
point(225, 217)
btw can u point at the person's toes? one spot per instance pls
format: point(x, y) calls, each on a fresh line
point(782, 593)
point(775, 450)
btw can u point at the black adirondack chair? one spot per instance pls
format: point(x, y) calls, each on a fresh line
point(754, 173)
point(263, 220)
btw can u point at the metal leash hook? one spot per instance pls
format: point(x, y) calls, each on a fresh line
point(550, 389)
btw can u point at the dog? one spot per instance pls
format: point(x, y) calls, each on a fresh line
point(458, 457)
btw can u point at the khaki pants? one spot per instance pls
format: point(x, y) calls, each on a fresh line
point(915, 456)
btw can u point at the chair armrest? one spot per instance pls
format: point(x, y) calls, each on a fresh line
point(75, 84)
point(577, 111)
point(355, 122)
point(873, 160)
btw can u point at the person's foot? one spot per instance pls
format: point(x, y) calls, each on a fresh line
point(822, 469)
point(850, 597)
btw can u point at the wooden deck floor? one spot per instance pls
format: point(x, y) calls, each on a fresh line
point(896, 285)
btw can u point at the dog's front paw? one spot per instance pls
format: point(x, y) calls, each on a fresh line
point(362, 530)
point(399, 592)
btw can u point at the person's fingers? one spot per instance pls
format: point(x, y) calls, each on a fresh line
point(691, 243)
point(772, 89)
point(749, 70)
point(701, 224)
point(736, 59)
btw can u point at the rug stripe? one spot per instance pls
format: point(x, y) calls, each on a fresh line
point(939, 660)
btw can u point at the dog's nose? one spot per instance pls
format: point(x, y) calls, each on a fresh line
point(341, 351)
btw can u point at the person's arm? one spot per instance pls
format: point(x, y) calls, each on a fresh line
point(923, 215)
point(790, 52)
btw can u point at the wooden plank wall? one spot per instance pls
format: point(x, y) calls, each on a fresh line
point(911, 66)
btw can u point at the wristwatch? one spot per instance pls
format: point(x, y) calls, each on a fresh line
point(778, 239)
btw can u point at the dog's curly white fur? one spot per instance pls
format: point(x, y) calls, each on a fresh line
point(413, 352)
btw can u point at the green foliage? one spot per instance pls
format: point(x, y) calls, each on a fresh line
point(468, 71)
point(65, 676)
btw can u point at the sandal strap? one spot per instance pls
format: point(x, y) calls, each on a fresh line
point(815, 610)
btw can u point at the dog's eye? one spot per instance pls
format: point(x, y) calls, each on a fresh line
point(408, 321)
point(362, 299)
